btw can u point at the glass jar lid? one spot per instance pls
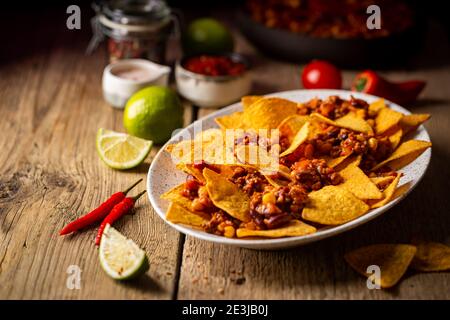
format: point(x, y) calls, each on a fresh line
point(150, 13)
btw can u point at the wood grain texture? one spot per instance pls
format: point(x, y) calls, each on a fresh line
point(50, 108)
point(318, 271)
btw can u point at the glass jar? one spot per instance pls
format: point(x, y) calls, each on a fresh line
point(133, 28)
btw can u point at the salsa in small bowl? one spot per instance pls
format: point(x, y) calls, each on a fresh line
point(213, 80)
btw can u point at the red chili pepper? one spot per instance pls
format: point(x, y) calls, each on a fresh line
point(97, 214)
point(118, 211)
point(398, 92)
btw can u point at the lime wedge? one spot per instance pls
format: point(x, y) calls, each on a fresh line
point(120, 257)
point(120, 150)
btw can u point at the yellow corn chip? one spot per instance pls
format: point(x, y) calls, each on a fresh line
point(382, 181)
point(349, 121)
point(231, 121)
point(292, 229)
point(431, 256)
point(356, 181)
point(299, 138)
point(407, 152)
point(174, 195)
point(334, 162)
point(268, 113)
point(410, 122)
point(189, 169)
point(395, 138)
point(376, 106)
point(355, 123)
point(386, 119)
point(392, 259)
point(178, 214)
point(353, 160)
point(333, 205)
point(291, 125)
point(400, 191)
point(249, 100)
point(388, 194)
point(258, 157)
point(209, 146)
point(227, 196)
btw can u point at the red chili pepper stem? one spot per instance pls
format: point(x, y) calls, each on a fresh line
point(119, 210)
point(97, 214)
point(138, 195)
point(132, 186)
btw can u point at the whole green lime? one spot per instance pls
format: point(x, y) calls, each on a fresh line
point(153, 113)
point(207, 36)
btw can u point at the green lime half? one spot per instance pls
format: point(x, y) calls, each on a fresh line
point(120, 257)
point(120, 150)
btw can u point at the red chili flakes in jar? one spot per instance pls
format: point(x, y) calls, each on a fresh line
point(214, 66)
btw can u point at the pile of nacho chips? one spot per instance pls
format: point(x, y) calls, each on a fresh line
point(281, 168)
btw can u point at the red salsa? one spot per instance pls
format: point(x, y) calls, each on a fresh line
point(214, 66)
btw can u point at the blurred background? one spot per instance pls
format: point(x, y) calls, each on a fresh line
point(288, 30)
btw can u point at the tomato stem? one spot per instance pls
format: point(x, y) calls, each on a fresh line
point(360, 84)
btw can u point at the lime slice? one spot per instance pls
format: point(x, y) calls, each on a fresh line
point(120, 150)
point(120, 257)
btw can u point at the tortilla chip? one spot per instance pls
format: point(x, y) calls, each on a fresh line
point(320, 118)
point(356, 181)
point(334, 162)
point(268, 113)
point(353, 160)
point(189, 169)
point(291, 125)
point(388, 194)
point(174, 195)
point(407, 152)
point(376, 106)
point(209, 146)
point(410, 122)
point(249, 100)
point(355, 123)
point(227, 196)
point(431, 256)
point(299, 138)
point(258, 157)
point(333, 205)
point(395, 138)
point(292, 229)
point(386, 119)
point(178, 214)
point(349, 121)
point(400, 191)
point(392, 259)
point(382, 181)
point(231, 121)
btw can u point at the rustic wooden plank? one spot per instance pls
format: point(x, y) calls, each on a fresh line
point(318, 271)
point(51, 106)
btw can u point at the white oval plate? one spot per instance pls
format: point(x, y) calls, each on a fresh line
point(163, 176)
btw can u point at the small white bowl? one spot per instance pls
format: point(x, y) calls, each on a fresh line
point(212, 91)
point(118, 89)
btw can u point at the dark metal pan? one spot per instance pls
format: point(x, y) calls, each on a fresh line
point(353, 53)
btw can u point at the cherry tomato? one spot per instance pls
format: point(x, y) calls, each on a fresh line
point(320, 74)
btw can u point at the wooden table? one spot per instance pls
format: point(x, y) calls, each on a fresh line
point(50, 109)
